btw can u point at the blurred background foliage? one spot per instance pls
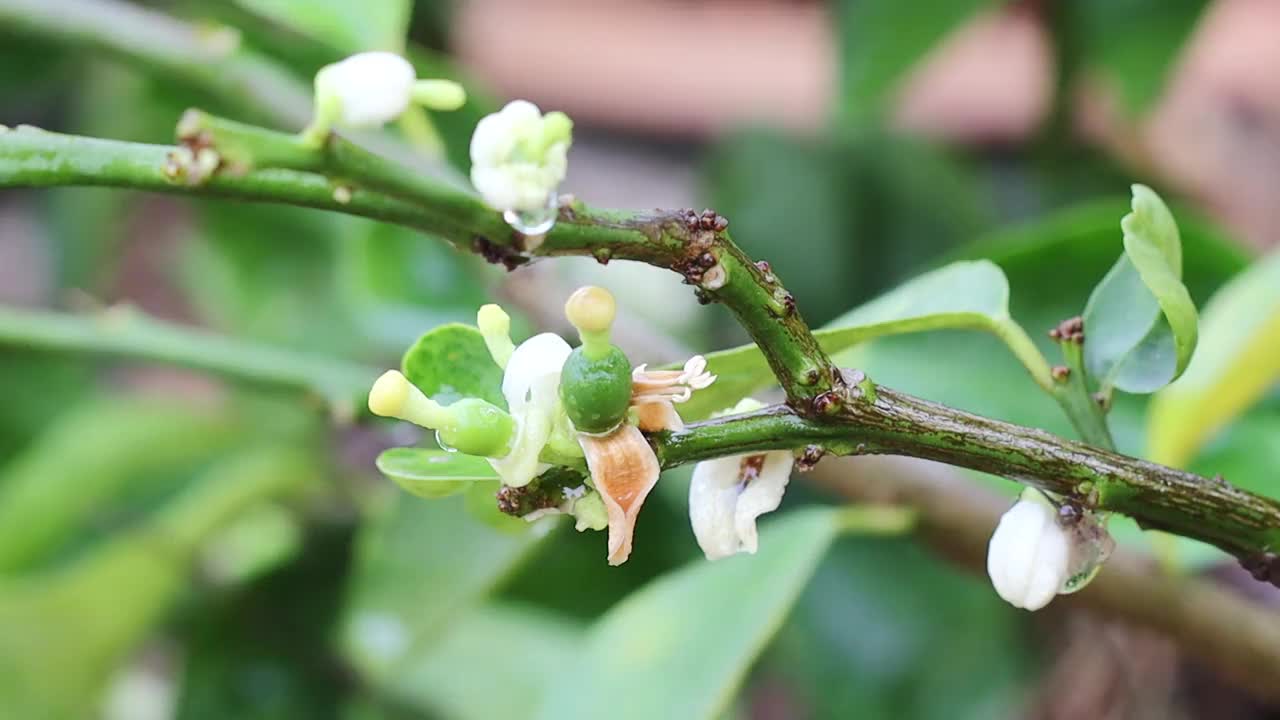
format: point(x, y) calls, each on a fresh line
point(174, 546)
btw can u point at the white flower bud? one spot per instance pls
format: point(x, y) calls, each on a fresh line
point(1035, 553)
point(367, 90)
point(1029, 554)
point(519, 157)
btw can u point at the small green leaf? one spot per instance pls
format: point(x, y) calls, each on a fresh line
point(970, 295)
point(1140, 322)
point(679, 647)
point(882, 39)
point(1237, 363)
point(346, 26)
point(451, 362)
point(433, 473)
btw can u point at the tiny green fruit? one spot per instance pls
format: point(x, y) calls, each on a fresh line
point(596, 391)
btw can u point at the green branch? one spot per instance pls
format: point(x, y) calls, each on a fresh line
point(1159, 497)
point(267, 166)
point(822, 411)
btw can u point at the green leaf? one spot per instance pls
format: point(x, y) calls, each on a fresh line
point(61, 641)
point(882, 39)
point(1140, 321)
point(639, 660)
point(91, 454)
point(433, 473)
point(1237, 363)
point(1134, 41)
point(454, 678)
point(452, 362)
point(349, 27)
point(418, 565)
point(971, 295)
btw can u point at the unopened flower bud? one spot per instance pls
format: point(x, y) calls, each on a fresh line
point(1035, 554)
point(519, 158)
point(366, 90)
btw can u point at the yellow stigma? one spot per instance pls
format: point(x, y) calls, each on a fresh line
point(388, 394)
point(394, 396)
point(439, 94)
point(591, 309)
point(495, 327)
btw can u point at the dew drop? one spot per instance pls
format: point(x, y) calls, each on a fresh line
point(444, 445)
point(534, 222)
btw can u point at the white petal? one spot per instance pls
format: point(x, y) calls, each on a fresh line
point(532, 360)
point(713, 496)
point(492, 141)
point(1028, 554)
point(762, 495)
point(373, 88)
point(531, 385)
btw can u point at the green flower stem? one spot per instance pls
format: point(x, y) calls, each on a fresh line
point(125, 333)
point(1086, 415)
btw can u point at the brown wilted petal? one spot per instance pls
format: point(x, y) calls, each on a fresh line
point(624, 470)
point(656, 416)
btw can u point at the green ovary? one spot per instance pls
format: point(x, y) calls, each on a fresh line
point(596, 391)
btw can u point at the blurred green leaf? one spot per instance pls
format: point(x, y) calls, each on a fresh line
point(842, 220)
point(496, 661)
point(880, 40)
point(63, 632)
point(92, 453)
point(451, 362)
point(1237, 362)
point(433, 473)
point(348, 26)
point(1140, 321)
point(417, 566)
point(971, 295)
point(262, 539)
point(267, 272)
point(636, 660)
point(865, 636)
point(1135, 42)
point(399, 281)
point(263, 652)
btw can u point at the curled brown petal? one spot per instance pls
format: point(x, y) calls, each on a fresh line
point(624, 470)
point(656, 416)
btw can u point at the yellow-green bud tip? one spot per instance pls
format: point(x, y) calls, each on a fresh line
point(591, 309)
point(389, 393)
point(492, 320)
point(442, 95)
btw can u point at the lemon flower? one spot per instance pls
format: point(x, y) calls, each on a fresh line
point(518, 160)
point(728, 494)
